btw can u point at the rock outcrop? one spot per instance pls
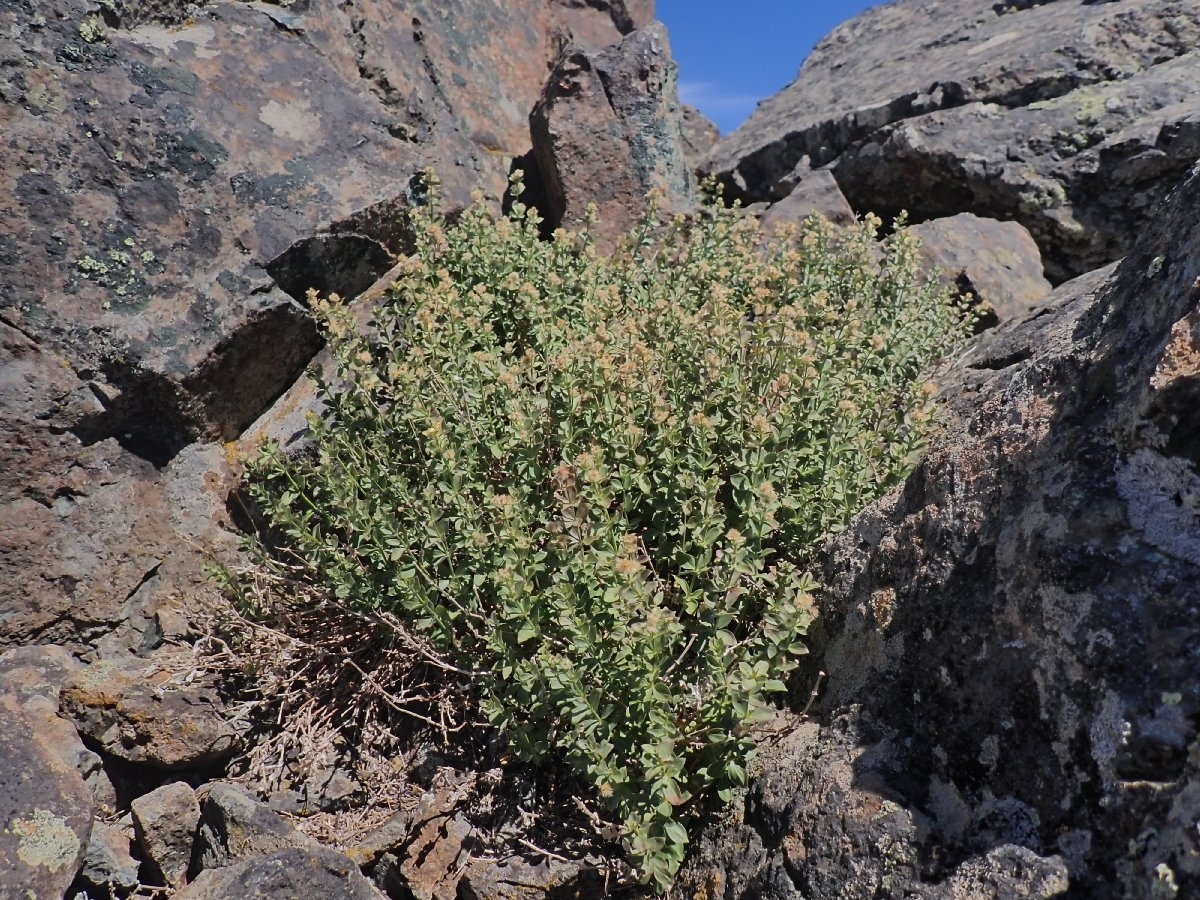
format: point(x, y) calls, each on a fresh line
point(1074, 119)
point(607, 130)
point(1010, 638)
point(1010, 706)
point(161, 249)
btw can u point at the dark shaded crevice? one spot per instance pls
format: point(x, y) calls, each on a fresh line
point(146, 578)
point(1003, 361)
point(1176, 414)
point(154, 417)
point(144, 413)
point(28, 335)
point(287, 20)
point(534, 195)
point(342, 264)
point(252, 368)
point(375, 78)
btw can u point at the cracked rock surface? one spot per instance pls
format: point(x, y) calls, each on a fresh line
point(1074, 119)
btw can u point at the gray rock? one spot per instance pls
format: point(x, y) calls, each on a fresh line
point(607, 129)
point(517, 879)
point(284, 875)
point(130, 710)
point(598, 23)
point(33, 677)
point(817, 192)
point(165, 823)
point(1005, 873)
point(1008, 637)
point(997, 262)
point(46, 810)
point(96, 538)
point(235, 827)
point(109, 868)
point(700, 135)
point(1073, 119)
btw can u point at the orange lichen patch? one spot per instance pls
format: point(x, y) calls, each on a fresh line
point(1181, 358)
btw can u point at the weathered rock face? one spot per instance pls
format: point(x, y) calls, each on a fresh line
point(1011, 638)
point(109, 868)
point(282, 875)
point(996, 262)
point(45, 809)
point(132, 711)
point(1073, 119)
point(157, 218)
point(96, 541)
point(607, 130)
point(598, 23)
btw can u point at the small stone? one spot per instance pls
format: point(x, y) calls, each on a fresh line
point(235, 826)
point(284, 875)
point(166, 820)
point(109, 867)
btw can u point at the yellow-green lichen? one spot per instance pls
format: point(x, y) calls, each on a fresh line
point(92, 30)
point(45, 841)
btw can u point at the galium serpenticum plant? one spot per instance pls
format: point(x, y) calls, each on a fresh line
point(593, 482)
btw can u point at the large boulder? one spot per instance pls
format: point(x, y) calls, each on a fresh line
point(1073, 119)
point(608, 129)
point(167, 207)
point(1010, 638)
point(165, 213)
point(997, 263)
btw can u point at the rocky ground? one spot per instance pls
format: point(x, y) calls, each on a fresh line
point(1011, 688)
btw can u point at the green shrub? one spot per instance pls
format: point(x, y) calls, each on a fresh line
point(590, 482)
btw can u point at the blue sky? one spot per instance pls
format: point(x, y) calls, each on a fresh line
point(733, 53)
